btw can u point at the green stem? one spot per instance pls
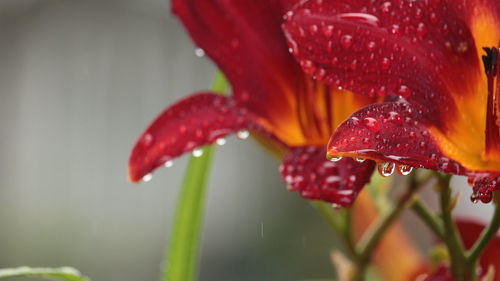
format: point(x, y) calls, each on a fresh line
point(182, 255)
point(372, 236)
point(427, 216)
point(486, 236)
point(452, 239)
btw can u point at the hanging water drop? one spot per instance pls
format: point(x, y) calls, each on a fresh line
point(243, 134)
point(199, 52)
point(169, 163)
point(335, 158)
point(197, 152)
point(147, 177)
point(386, 169)
point(336, 206)
point(220, 141)
point(474, 197)
point(404, 170)
point(359, 160)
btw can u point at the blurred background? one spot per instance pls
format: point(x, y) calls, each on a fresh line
point(79, 81)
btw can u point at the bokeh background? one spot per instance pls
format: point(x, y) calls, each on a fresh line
point(79, 81)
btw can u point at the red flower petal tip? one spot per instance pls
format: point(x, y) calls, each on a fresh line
point(195, 121)
point(306, 171)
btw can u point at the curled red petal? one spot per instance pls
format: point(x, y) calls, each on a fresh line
point(306, 171)
point(385, 47)
point(244, 38)
point(192, 122)
point(392, 132)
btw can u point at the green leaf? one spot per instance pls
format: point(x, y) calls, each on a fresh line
point(62, 273)
point(182, 256)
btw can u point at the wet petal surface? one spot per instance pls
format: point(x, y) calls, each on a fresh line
point(391, 132)
point(306, 171)
point(189, 124)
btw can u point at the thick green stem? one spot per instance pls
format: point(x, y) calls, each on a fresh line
point(487, 235)
point(452, 239)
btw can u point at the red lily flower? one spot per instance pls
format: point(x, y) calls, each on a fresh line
point(427, 59)
point(470, 231)
point(272, 97)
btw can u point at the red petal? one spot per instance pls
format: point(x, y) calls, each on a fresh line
point(306, 170)
point(391, 131)
point(192, 122)
point(385, 47)
point(442, 273)
point(470, 231)
point(245, 39)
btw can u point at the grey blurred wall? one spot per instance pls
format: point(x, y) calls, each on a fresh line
point(79, 81)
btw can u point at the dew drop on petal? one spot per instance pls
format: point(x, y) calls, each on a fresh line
point(243, 134)
point(147, 140)
point(147, 177)
point(199, 52)
point(335, 158)
point(386, 169)
point(474, 197)
point(220, 141)
point(372, 124)
point(346, 41)
point(197, 152)
point(336, 206)
point(169, 163)
point(486, 196)
point(404, 170)
point(359, 160)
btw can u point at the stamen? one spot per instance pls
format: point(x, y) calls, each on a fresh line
point(492, 141)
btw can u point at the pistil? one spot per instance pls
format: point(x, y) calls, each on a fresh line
point(492, 140)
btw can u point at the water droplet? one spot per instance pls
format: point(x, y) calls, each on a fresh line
point(220, 141)
point(147, 177)
point(313, 29)
point(404, 91)
point(474, 197)
point(335, 158)
point(336, 206)
point(147, 140)
point(371, 46)
point(386, 169)
point(486, 196)
point(362, 18)
point(385, 63)
point(197, 152)
point(462, 47)
point(404, 170)
point(359, 160)
point(346, 41)
point(386, 7)
point(243, 134)
point(421, 29)
point(354, 64)
point(169, 163)
point(199, 52)
point(372, 124)
point(395, 29)
point(328, 31)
